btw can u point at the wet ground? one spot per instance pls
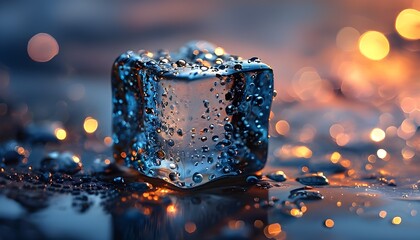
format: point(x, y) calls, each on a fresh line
point(362, 184)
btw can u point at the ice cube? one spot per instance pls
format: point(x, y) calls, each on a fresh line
point(193, 116)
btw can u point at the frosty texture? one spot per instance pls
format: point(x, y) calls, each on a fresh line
point(191, 117)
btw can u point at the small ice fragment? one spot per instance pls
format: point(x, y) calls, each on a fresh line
point(11, 153)
point(65, 162)
point(278, 176)
point(306, 195)
point(313, 179)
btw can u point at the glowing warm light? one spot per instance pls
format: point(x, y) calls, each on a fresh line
point(377, 135)
point(368, 167)
point(381, 153)
point(296, 212)
point(407, 153)
point(60, 133)
point(90, 125)
point(271, 115)
point(372, 158)
point(302, 152)
point(335, 157)
point(345, 163)
point(190, 227)
point(219, 51)
point(382, 214)
point(282, 127)
point(208, 55)
point(329, 223)
point(396, 220)
point(347, 39)
point(108, 141)
point(407, 24)
point(274, 229)
point(76, 159)
point(149, 54)
point(42, 47)
point(339, 204)
point(408, 126)
point(374, 45)
point(171, 209)
point(107, 161)
point(342, 139)
point(21, 150)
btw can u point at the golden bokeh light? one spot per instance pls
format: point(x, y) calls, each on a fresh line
point(407, 24)
point(296, 212)
point(90, 125)
point(302, 152)
point(377, 135)
point(60, 133)
point(335, 157)
point(219, 51)
point(42, 47)
point(329, 223)
point(274, 229)
point(171, 209)
point(396, 220)
point(282, 127)
point(382, 153)
point(76, 159)
point(347, 39)
point(374, 45)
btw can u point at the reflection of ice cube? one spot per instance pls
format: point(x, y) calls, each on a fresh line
point(193, 117)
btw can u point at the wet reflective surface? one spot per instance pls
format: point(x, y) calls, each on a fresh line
point(50, 187)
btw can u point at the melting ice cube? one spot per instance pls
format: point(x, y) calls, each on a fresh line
point(193, 116)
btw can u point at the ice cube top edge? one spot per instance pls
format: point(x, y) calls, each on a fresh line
point(195, 60)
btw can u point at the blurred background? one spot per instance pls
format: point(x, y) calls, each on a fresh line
point(346, 72)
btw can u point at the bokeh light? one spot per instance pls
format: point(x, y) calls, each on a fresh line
point(396, 220)
point(407, 24)
point(90, 125)
point(329, 223)
point(374, 45)
point(60, 133)
point(42, 47)
point(347, 39)
point(377, 135)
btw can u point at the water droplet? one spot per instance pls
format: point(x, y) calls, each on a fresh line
point(313, 180)
point(160, 154)
point(206, 103)
point(237, 67)
point(228, 127)
point(277, 176)
point(171, 142)
point(252, 179)
point(179, 132)
point(197, 177)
